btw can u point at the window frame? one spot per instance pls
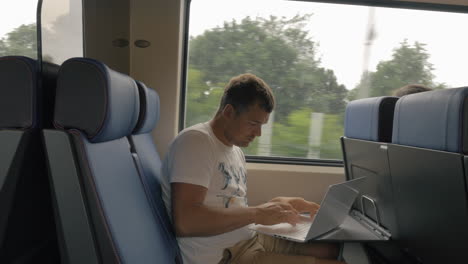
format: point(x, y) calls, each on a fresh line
point(402, 4)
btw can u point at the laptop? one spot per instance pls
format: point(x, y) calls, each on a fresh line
point(333, 211)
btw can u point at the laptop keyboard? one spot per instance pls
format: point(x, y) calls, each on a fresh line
point(299, 231)
point(285, 230)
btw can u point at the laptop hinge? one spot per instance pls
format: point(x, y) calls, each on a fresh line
point(370, 224)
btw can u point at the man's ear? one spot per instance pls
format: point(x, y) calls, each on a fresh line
point(229, 112)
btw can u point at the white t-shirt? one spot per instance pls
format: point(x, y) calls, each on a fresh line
point(198, 157)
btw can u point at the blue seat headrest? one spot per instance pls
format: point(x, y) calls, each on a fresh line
point(434, 120)
point(18, 92)
point(149, 110)
point(370, 118)
point(96, 100)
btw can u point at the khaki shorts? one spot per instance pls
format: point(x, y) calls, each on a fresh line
point(267, 249)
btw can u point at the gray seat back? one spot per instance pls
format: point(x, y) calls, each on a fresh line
point(27, 230)
point(368, 128)
point(104, 213)
point(149, 162)
point(428, 165)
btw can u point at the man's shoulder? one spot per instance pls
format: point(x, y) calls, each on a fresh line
point(198, 135)
point(197, 131)
point(239, 152)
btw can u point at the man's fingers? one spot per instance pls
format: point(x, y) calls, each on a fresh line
point(287, 206)
point(308, 207)
point(291, 217)
point(312, 214)
point(313, 207)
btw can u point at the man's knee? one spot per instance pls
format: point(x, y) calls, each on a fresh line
point(272, 258)
point(333, 251)
point(324, 250)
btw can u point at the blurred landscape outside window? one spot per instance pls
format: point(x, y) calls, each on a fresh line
point(316, 57)
point(18, 28)
point(62, 33)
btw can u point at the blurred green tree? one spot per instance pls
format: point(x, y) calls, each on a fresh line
point(409, 65)
point(20, 41)
point(277, 50)
point(202, 98)
point(291, 139)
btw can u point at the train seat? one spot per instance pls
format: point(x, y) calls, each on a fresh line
point(149, 162)
point(428, 164)
point(101, 205)
point(370, 118)
point(367, 132)
point(433, 120)
point(27, 230)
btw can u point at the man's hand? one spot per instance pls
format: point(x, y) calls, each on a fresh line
point(299, 204)
point(272, 213)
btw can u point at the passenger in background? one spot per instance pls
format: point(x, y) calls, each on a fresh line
point(411, 89)
point(204, 181)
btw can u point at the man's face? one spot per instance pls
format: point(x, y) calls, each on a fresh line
point(242, 128)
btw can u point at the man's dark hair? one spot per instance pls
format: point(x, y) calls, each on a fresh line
point(411, 89)
point(246, 90)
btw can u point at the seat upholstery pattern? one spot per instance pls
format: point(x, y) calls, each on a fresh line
point(370, 118)
point(434, 120)
point(99, 108)
point(149, 162)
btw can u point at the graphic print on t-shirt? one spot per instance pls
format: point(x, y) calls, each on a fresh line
point(233, 177)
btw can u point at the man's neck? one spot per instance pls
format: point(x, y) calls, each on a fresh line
point(218, 127)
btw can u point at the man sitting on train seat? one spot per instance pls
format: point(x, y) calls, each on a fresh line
point(204, 185)
point(411, 89)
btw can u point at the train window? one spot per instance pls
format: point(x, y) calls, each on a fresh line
point(316, 57)
point(62, 30)
point(18, 28)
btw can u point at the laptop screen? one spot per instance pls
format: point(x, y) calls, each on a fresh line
point(335, 206)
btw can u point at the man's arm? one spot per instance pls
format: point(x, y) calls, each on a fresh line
point(192, 218)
